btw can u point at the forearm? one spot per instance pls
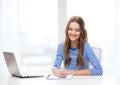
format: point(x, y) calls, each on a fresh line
point(78, 72)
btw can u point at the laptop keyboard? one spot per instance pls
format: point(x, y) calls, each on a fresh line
point(31, 76)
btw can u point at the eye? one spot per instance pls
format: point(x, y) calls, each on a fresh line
point(70, 29)
point(77, 30)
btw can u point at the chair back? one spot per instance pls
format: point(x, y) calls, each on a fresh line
point(98, 53)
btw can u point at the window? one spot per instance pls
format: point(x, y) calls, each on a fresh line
point(99, 18)
point(37, 30)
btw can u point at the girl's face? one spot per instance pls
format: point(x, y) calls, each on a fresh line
point(74, 31)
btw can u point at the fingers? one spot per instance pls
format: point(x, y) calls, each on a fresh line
point(62, 75)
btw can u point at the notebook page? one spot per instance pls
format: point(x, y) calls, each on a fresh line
point(53, 77)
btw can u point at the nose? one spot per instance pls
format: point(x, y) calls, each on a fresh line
point(72, 32)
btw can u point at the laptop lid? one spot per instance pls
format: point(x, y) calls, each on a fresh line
point(11, 63)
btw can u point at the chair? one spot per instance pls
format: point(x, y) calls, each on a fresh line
point(98, 53)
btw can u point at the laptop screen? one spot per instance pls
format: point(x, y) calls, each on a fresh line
point(11, 63)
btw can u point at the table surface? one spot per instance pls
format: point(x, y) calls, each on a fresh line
point(76, 80)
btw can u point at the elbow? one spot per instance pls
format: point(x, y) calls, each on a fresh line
point(96, 72)
point(99, 72)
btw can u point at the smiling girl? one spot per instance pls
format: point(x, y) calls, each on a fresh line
point(76, 52)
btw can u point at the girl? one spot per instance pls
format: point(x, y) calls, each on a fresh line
point(76, 52)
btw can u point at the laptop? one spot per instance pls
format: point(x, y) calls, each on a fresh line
point(13, 67)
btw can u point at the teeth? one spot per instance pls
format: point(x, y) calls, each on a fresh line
point(72, 36)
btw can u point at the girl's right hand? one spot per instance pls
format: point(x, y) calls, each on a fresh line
point(60, 74)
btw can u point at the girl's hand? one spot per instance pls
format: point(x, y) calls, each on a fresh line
point(60, 74)
point(67, 72)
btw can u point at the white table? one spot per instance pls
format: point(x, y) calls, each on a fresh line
point(76, 80)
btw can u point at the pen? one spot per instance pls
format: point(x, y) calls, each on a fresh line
point(48, 75)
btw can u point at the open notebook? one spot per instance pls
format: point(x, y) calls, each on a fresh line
point(53, 77)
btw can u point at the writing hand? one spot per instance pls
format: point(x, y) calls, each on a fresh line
point(61, 74)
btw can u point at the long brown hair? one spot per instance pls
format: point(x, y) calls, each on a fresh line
point(82, 40)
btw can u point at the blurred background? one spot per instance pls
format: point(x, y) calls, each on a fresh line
point(32, 30)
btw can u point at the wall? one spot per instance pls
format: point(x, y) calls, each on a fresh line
point(62, 16)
